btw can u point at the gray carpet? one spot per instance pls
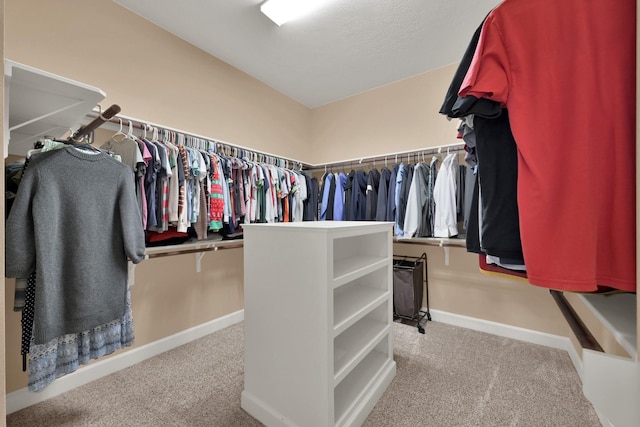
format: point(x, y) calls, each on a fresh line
point(448, 377)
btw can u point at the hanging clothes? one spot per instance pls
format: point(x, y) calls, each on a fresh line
point(403, 187)
point(331, 198)
point(216, 201)
point(77, 190)
point(174, 181)
point(417, 221)
point(183, 197)
point(63, 355)
point(162, 187)
point(535, 78)
point(498, 177)
point(433, 176)
point(151, 175)
point(338, 203)
point(399, 205)
point(444, 196)
point(127, 148)
point(201, 225)
point(373, 182)
point(391, 195)
point(383, 194)
point(348, 196)
point(359, 196)
point(299, 191)
point(326, 194)
point(486, 131)
point(311, 204)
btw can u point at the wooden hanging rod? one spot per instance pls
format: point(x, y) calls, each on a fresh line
point(99, 119)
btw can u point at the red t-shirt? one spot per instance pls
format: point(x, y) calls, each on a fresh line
point(566, 72)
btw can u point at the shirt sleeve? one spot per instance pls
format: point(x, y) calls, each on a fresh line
point(133, 235)
point(489, 73)
point(20, 250)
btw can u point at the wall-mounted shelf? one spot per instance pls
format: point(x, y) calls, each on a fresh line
point(432, 241)
point(612, 382)
point(38, 103)
point(199, 248)
point(617, 313)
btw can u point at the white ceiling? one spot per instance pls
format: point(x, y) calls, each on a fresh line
point(347, 47)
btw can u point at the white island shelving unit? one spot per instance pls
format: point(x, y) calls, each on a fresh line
point(318, 313)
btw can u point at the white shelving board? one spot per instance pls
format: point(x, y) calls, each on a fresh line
point(617, 313)
point(38, 104)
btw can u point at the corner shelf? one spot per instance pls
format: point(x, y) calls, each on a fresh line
point(38, 103)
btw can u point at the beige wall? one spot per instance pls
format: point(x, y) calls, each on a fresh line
point(459, 287)
point(106, 46)
point(397, 117)
point(153, 75)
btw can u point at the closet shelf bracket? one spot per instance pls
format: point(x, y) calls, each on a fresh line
point(131, 273)
point(199, 256)
point(582, 333)
point(446, 254)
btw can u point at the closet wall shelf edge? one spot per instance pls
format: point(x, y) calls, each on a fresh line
point(187, 248)
point(583, 334)
point(198, 248)
point(38, 103)
point(432, 241)
point(617, 312)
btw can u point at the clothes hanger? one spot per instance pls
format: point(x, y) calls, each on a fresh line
point(85, 146)
point(130, 132)
point(119, 133)
point(83, 143)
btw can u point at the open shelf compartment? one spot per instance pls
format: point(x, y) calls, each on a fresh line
point(352, 345)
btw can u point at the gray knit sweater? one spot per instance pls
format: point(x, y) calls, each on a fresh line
point(74, 221)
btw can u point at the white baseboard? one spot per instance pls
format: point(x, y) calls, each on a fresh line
point(514, 332)
point(23, 398)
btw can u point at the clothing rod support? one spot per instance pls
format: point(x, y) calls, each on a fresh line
point(582, 333)
point(131, 273)
point(199, 256)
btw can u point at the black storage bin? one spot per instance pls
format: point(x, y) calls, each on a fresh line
point(407, 288)
point(409, 282)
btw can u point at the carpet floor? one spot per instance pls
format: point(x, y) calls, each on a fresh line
point(449, 376)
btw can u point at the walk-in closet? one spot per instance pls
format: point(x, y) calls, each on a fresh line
point(207, 212)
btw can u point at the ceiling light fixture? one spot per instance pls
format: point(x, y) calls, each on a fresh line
point(281, 11)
